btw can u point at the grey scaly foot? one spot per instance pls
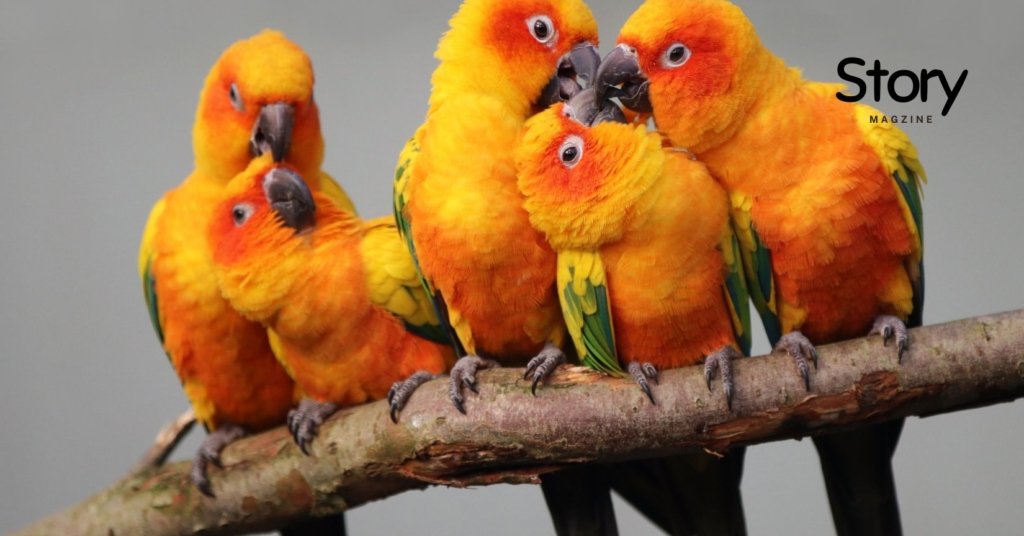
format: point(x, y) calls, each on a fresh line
point(209, 453)
point(889, 327)
point(401, 390)
point(543, 364)
point(641, 372)
point(800, 349)
point(464, 375)
point(721, 361)
point(304, 421)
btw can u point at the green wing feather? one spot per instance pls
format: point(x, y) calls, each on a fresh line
point(430, 332)
point(900, 159)
point(736, 290)
point(147, 257)
point(583, 293)
point(152, 305)
point(909, 183)
point(403, 174)
point(757, 266)
point(394, 283)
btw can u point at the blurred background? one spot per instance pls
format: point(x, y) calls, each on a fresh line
point(97, 101)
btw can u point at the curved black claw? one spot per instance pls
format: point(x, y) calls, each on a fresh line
point(401, 390)
point(305, 420)
point(641, 372)
point(543, 364)
point(888, 327)
point(800, 349)
point(721, 361)
point(209, 453)
point(463, 374)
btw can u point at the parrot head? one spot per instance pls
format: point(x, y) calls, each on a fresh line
point(691, 63)
point(267, 215)
point(258, 99)
point(529, 52)
point(583, 170)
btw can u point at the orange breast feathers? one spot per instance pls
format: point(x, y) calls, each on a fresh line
point(304, 278)
point(828, 211)
point(337, 345)
point(224, 361)
point(474, 240)
point(666, 276)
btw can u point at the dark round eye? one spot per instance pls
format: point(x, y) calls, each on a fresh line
point(241, 213)
point(541, 28)
point(236, 98)
point(676, 55)
point(571, 151)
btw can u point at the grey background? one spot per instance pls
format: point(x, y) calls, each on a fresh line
point(97, 101)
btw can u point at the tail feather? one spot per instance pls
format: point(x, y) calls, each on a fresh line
point(857, 466)
point(685, 494)
point(333, 525)
point(580, 502)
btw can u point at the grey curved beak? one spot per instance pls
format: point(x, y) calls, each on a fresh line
point(290, 198)
point(587, 109)
point(584, 62)
point(273, 131)
point(619, 75)
point(577, 69)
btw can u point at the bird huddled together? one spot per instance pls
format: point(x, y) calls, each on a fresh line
point(539, 219)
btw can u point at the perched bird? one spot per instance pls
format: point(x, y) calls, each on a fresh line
point(335, 291)
point(648, 265)
point(649, 277)
point(827, 205)
point(257, 98)
point(490, 274)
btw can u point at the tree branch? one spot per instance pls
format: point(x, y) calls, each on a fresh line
point(510, 436)
point(166, 440)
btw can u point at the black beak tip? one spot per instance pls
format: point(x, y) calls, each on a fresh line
point(582, 107)
point(290, 198)
point(585, 62)
point(576, 71)
point(619, 66)
point(277, 152)
point(273, 131)
point(589, 110)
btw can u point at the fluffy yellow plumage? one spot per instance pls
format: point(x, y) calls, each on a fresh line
point(640, 232)
point(335, 291)
point(827, 204)
point(455, 194)
point(257, 97)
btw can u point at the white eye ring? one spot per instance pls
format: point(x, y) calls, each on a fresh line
point(571, 151)
point(241, 213)
point(676, 55)
point(542, 29)
point(236, 98)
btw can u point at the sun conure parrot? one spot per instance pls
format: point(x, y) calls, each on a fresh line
point(257, 98)
point(827, 205)
point(649, 278)
point(336, 292)
point(490, 273)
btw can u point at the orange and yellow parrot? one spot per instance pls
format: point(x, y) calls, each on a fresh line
point(490, 273)
point(649, 274)
point(257, 99)
point(335, 291)
point(827, 205)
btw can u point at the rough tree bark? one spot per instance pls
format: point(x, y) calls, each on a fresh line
point(510, 436)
